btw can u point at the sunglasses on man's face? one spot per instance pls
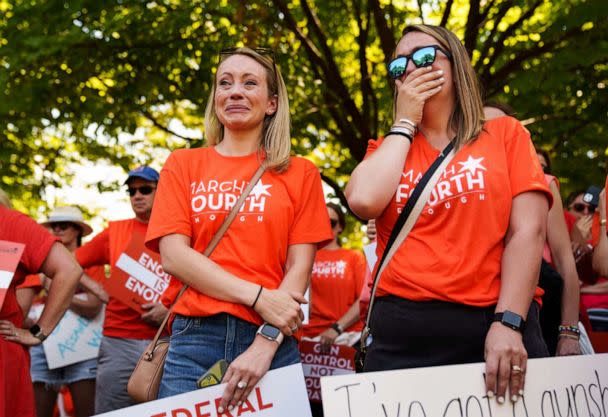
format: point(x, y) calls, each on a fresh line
point(421, 57)
point(581, 208)
point(63, 226)
point(143, 190)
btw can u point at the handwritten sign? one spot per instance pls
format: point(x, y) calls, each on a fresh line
point(555, 387)
point(139, 277)
point(340, 360)
point(75, 339)
point(10, 254)
point(281, 393)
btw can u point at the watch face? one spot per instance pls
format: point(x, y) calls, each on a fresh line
point(270, 331)
point(512, 319)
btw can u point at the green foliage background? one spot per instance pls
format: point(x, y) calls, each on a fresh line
point(79, 78)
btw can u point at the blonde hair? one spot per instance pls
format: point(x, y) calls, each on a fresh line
point(276, 143)
point(467, 117)
point(4, 200)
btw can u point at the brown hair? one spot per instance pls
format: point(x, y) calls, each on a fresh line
point(467, 117)
point(276, 139)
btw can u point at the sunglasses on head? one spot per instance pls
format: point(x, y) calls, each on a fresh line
point(63, 226)
point(143, 190)
point(421, 57)
point(581, 208)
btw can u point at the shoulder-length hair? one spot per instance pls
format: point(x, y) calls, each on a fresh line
point(276, 139)
point(467, 117)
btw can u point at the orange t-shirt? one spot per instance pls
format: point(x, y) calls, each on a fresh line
point(454, 252)
point(336, 282)
point(196, 190)
point(120, 321)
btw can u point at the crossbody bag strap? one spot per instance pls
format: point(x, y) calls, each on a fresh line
point(210, 247)
point(406, 221)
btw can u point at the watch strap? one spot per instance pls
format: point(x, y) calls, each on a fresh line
point(511, 320)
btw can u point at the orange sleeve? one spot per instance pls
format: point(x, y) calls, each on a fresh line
point(171, 211)
point(31, 281)
point(97, 273)
point(96, 252)
point(372, 145)
point(311, 221)
point(525, 172)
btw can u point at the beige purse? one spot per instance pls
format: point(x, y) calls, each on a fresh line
point(145, 380)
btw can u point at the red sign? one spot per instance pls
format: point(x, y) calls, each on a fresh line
point(340, 360)
point(138, 276)
point(10, 254)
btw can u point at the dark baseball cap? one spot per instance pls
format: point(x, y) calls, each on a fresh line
point(144, 172)
point(592, 195)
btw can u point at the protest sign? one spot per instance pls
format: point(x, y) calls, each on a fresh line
point(555, 387)
point(74, 339)
point(10, 254)
point(281, 393)
point(138, 277)
point(340, 360)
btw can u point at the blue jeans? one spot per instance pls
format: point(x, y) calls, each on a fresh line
point(198, 342)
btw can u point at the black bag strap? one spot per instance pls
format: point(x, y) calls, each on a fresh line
point(405, 222)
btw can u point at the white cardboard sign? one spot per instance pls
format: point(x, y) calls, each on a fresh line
point(75, 339)
point(575, 386)
point(281, 393)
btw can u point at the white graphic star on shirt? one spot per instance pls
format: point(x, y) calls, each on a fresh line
point(472, 165)
point(260, 190)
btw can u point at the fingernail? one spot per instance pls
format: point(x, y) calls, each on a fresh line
point(501, 400)
point(490, 394)
point(514, 398)
point(521, 392)
point(442, 79)
point(230, 407)
point(440, 72)
point(220, 409)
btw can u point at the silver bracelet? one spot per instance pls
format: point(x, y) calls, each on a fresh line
point(403, 129)
point(408, 122)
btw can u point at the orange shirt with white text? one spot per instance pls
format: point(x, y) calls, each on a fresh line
point(455, 250)
point(197, 189)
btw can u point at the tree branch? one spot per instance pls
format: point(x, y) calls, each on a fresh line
point(502, 12)
point(446, 13)
point(387, 40)
point(472, 27)
point(162, 127)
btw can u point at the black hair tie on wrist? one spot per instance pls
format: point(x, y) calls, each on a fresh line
point(257, 297)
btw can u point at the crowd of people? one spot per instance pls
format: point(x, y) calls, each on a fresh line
point(490, 271)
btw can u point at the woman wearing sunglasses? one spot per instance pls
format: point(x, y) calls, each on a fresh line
point(243, 304)
point(462, 286)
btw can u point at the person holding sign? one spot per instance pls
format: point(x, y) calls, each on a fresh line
point(131, 319)
point(243, 303)
point(26, 247)
point(461, 287)
point(337, 279)
point(67, 224)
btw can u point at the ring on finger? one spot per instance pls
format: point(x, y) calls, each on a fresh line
point(241, 385)
point(294, 329)
point(516, 369)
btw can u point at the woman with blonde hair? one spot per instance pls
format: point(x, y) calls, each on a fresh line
point(243, 304)
point(461, 288)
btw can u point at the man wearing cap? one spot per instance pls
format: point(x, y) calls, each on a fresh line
point(127, 332)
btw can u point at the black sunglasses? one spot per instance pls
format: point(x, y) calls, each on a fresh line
point(421, 57)
point(262, 51)
point(143, 190)
point(61, 225)
point(580, 208)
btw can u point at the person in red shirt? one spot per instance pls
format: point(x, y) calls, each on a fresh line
point(243, 303)
point(68, 225)
point(460, 288)
point(126, 332)
point(337, 279)
point(42, 253)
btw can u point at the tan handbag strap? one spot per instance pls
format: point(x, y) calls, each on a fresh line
point(210, 247)
point(436, 170)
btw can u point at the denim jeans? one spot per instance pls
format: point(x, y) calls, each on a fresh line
point(196, 343)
